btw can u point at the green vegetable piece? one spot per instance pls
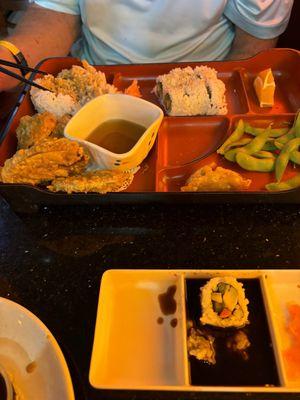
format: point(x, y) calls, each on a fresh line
point(218, 307)
point(264, 154)
point(230, 298)
point(222, 287)
point(238, 143)
point(286, 138)
point(217, 297)
point(292, 183)
point(250, 163)
point(234, 137)
point(278, 145)
point(284, 156)
point(270, 146)
point(253, 146)
point(274, 133)
point(295, 157)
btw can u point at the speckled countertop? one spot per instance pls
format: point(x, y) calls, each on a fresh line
point(51, 262)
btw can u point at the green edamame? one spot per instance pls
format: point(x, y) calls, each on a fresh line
point(292, 183)
point(270, 146)
point(284, 156)
point(295, 157)
point(297, 124)
point(250, 163)
point(238, 143)
point(234, 137)
point(274, 133)
point(287, 137)
point(252, 147)
point(264, 154)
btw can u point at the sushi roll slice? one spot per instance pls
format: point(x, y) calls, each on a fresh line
point(224, 303)
point(188, 91)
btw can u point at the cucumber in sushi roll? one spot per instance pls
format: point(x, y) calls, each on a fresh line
point(224, 303)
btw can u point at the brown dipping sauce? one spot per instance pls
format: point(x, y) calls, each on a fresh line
point(116, 135)
point(174, 322)
point(167, 302)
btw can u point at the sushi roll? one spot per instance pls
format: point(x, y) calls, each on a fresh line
point(188, 91)
point(224, 303)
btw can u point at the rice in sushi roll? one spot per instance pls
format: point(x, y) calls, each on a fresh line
point(224, 303)
point(188, 91)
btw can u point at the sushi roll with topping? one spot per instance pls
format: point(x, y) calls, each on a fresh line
point(224, 303)
point(188, 91)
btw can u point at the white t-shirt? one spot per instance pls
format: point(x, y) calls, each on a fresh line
point(147, 31)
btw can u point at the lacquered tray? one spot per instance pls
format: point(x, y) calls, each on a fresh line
point(138, 346)
point(184, 144)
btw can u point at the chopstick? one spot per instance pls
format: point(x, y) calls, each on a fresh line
point(21, 67)
point(22, 79)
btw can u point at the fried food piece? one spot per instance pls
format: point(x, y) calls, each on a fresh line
point(239, 343)
point(44, 162)
point(33, 129)
point(213, 178)
point(95, 181)
point(201, 346)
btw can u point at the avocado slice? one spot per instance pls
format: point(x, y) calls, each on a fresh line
point(222, 287)
point(217, 297)
point(230, 298)
point(218, 307)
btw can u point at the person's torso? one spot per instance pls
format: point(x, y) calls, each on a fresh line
point(139, 31)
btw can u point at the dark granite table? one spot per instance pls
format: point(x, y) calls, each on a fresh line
point(52, 261)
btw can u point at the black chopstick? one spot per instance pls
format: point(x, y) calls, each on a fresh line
point(21, 67)
point(20, 78)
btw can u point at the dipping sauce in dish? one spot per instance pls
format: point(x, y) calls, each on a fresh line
point(116, 135)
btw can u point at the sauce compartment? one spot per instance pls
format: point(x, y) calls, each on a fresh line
point(139, 335)
point(231, 369)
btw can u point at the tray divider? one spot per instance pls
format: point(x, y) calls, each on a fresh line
point(275, 337)
point(186, 367)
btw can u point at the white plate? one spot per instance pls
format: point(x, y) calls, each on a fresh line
point(31, 356)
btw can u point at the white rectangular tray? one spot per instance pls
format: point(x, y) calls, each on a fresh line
point(133, 351)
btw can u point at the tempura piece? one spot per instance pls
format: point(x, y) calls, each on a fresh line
point(33, 129)
point(239, 343)
point(44, 162)
point(70, 89)
point(101, 181)
point(211, 178)
point(201, 346)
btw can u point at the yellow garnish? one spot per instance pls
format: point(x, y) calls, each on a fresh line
point(264, 86)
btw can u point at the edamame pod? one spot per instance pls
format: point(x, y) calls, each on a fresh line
point(286, 185)
point(284, 156)
point(274, 133)
point(250, 163)
point(270, 146)
point(238, 143)
point(234, 137)
point(252, 147)
point(264, 154)
point(295, 157)
point(286, 138)
point(297, 124)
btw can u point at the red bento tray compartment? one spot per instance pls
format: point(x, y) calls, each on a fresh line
point(184, 143)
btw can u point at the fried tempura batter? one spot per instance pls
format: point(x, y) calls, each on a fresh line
point(44, 162)
point(81, 83)
point(213, 178)
point(95, 181)
point(32, 130)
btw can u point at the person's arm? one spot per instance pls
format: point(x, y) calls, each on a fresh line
point(41, 33)
point(245, 45)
